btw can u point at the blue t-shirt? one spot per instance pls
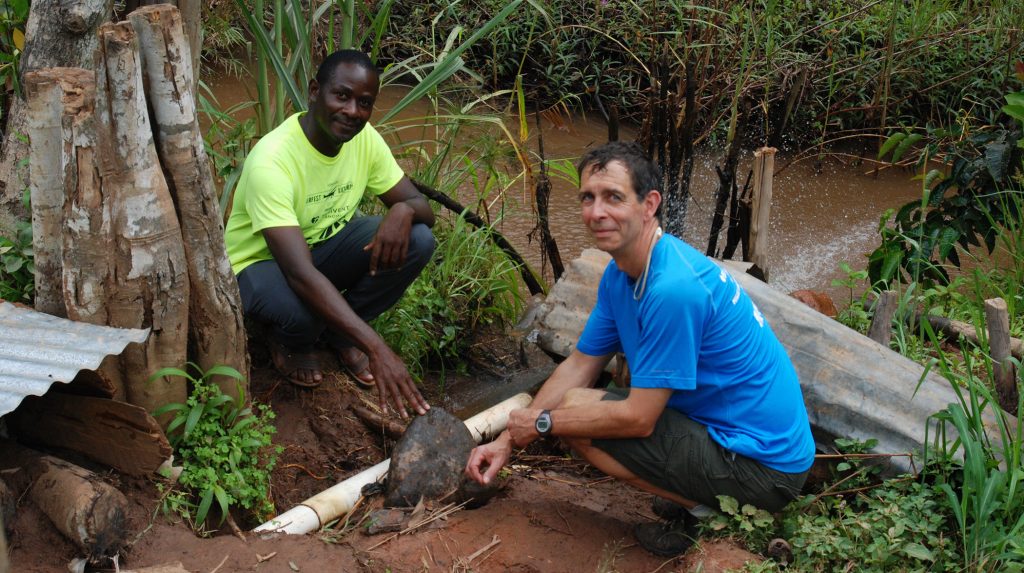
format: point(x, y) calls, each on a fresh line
point(695, 331)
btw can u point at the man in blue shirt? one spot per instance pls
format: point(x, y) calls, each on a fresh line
point(714, 406)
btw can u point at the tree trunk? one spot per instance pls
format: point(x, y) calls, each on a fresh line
point(59, 33)
point(149, 286)
point(216, 328)
point(57, 99)
point(881, 323)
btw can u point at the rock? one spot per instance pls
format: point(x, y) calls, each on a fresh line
point(387, 521)
point(819, 301)
point(428, 463)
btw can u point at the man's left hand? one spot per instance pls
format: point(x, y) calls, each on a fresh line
point(391, 243)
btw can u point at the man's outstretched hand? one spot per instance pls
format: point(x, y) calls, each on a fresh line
point(394, 384)
point(487, 460)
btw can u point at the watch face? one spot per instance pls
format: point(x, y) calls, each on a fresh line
point(543, 423)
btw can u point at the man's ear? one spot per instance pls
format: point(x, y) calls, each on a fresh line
point(651, 202)
point(314, 89)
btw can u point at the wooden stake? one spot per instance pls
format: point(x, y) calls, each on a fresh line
point(150, 282)
point(998, 320)
point(881, 323)
point(764, 169)
point(216, 327)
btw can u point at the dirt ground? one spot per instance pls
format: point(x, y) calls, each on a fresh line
point(554, 513)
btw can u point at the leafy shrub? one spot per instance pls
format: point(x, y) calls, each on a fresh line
point(964, 208)
point(17, 267)
point(224, 447)
point(902, 526)
point(469, 283)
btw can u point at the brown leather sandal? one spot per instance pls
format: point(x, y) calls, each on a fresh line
point(288, 363)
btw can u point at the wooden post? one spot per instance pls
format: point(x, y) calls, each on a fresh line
point(150, 282)
point(881, 323)
point(998, 321)
point(764, 170)
point(216, 327)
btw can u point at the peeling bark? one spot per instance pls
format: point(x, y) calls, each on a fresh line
point(149, 286)
point(216, 327)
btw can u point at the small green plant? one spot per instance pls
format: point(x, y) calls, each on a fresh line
point(223, 445)
point(854, 315)
point(752, 525)
point(17, 267)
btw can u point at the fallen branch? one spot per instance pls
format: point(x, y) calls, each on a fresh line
point(469, 560)
point(376, 422)
point(473, 219)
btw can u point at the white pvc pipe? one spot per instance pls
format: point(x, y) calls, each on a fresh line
point(339, 499)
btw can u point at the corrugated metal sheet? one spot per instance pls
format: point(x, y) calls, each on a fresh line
point(38, 349)
point(853, 386)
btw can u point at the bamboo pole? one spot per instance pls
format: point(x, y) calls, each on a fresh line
point(998, 320)
point(764, 168)
point(216, 326)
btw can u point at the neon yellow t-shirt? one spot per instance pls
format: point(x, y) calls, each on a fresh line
point(286, 182)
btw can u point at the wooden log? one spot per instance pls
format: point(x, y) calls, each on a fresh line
point(215, 318)
point(120, 435)
point(764, 168)
point(881, 323)
point(58, 33)
point(959, 329)
point(88, 511)
point(150, 281)
point(57, 98)
point(998, 321)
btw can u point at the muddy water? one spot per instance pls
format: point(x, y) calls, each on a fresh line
point(822, 213)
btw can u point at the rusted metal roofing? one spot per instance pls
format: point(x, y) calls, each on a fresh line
point(38, 349)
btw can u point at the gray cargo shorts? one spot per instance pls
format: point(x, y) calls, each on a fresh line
point(680, 456)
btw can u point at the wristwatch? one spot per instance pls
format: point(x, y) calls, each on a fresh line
point(543, 423)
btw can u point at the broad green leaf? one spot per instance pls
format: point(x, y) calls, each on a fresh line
point(1015, 111)
point(221, 370)
point(728, 504)
point(890, 264)
point(891, 143)
point(905, 145)
point(204, 505)
point(165, 372)
point(918, 551)
point(193, 418)
point(222, 501)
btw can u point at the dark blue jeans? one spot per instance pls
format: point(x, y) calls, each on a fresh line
point(267, 297)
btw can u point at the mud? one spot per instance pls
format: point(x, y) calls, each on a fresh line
point(552, 514)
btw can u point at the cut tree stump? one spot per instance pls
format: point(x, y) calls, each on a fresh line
point(216, 327)
point(88, 511)
point(764, 170)
point(58, 33)
point(120, 435)
point(150, 282)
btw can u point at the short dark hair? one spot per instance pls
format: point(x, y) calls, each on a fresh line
point(644, 174)
point(323, 73)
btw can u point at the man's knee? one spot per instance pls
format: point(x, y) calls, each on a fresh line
point(421, 244)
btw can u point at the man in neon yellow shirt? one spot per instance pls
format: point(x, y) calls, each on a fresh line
point(306, 265)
